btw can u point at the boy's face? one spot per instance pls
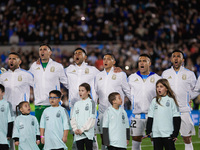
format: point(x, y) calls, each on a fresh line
point(54, 100)
point(118, 100)
point(25, 109)
point(1, 94)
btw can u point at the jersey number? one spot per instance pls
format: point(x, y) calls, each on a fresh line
point(98, 122)
point(133, 123)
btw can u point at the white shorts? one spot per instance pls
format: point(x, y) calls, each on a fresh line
point(138, 125)
point(99, 124)
point(187, 125)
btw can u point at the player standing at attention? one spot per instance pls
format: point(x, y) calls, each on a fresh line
point(143, 90)
point(48, 75)
point(106, 82)
point(182, 82)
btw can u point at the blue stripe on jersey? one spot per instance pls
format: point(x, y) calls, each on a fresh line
point(151, 73)
point(56, 87)
point(133, 115)
point(25, 97)
point(0, 72)
point(27, 72)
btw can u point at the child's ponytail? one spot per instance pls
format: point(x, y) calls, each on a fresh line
point(17, 108)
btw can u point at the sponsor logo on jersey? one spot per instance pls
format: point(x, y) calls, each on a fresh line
point(2, 108)
point(123, 118)
point(21, 125)
point(184, 76)
point(20, 78)
point(32, 122)
point(152, 80)
point(114, 77)
point(77, 111)
point(47, 118)
point(167, 103)
point(86, 71)
point(87, 107)
point(58, 114)
point(52, 69)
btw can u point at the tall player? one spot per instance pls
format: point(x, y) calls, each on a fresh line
point(106, 82)
point(143, 90)
point(182, 82)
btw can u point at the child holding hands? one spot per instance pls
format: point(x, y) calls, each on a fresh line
point(163, 117)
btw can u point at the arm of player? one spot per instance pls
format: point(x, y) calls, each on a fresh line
point(63, 77)
point(10, 129)
point(149, 126)
point(125, 86)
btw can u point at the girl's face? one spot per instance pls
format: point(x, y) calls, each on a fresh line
point(25, 109)
point(83, 93)
point(161, 89)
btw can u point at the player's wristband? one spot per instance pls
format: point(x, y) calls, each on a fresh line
point(41, 136)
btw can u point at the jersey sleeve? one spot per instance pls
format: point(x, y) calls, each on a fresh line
point(66, 121)
point(193, 82)
point(63, 77)
point(37, 131)
point(175, 109)
point(126, 120)
point(125, 86)
point(16, 129)
point(197, 86)
point(151, 109)
point(106, 119)
point(11, 116)
point(93, 110)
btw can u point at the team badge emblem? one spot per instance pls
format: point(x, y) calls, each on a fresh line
point(184, 76)
point(52, 69)
point(47, 118)
point(21, 126)
point(20, 78)
point(87, 107)
point(152, 80)
point(2, 108)
point(114, 77)
point(86, 71)
point(100, 79)
point(77, 111)
point(32, 122)
point(123, 118)
point(58, 114)
point(167, 103)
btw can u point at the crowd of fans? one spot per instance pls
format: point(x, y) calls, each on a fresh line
point(126, 28)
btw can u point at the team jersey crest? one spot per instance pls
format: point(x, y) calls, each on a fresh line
point(87, 71)
point(184, 76)
point(52, 69)
point(152, 80)
point(114, 77)
point(20, 78)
